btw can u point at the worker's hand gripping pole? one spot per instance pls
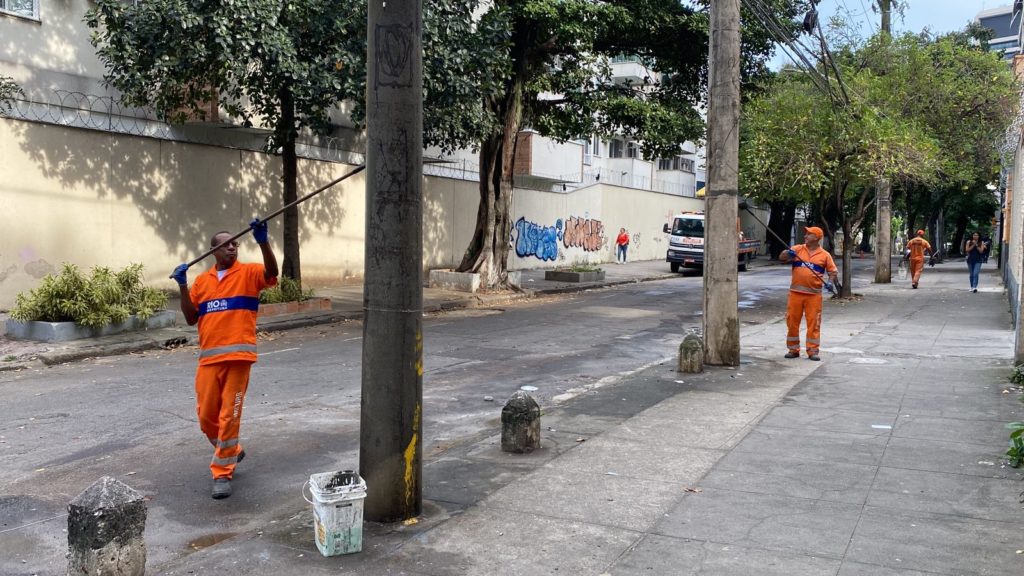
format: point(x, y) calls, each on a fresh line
point(836, 288)
point(275, 214)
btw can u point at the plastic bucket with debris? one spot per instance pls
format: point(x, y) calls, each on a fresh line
point(337, 499)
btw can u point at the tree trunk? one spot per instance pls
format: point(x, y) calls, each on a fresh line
point(780, 221)
point(847, 290)
point(290, 266)
point(959, 233)
point(487, 253)
point(865, 241)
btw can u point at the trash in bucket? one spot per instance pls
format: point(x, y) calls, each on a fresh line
point(337, 511)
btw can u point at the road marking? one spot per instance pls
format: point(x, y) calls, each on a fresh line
point(574, 392)
point(351, 339)
point(278, 351)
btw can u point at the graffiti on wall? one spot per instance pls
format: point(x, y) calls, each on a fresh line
point(537, 240)
point(587, 234)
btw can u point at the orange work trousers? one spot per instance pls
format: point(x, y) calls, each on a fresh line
point(916, 267)
point(800, 306)
point(220, 390)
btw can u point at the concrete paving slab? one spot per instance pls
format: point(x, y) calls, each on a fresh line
point(937, 543)
point(670, 462)
point(466, 481)
point(858, 569)
point(989, 405)
point(664, 555)
point(848, 398)
point(488, 541)
point(951, 429)
point(950, 457)
point(942, 493)
point(610, 498)
point(769, 521)
point(830, 420)
point(815, 445)
point(705, 432)
point(586, 425)
point(791, 476)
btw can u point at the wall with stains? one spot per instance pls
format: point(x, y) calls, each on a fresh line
point(91, 198)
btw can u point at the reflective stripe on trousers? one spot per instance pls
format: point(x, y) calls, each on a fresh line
point(798, 307)
point(220, 391)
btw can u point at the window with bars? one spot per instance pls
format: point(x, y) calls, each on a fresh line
point(632, 150)
point(615, 148)
point(26, 8)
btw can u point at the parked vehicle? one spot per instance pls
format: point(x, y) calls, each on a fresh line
point(686, 243)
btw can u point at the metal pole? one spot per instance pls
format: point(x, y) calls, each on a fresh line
point(721, 290)
point(391, 423)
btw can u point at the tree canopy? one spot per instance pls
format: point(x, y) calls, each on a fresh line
point(924, 113)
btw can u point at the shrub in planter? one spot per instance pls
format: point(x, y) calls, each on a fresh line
point(93, 301)
point(287, 290)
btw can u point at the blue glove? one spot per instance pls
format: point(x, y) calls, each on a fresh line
point(179, 275)
point(259, 231)
point(791, 253)
point(830, 287)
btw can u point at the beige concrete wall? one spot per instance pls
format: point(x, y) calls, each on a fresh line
point(93, 198)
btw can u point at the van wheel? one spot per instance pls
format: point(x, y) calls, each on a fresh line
point(674, 266)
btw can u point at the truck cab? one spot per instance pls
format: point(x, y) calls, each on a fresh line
point(686, 243)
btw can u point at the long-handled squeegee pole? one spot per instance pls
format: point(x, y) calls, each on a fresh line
point(746, 207)
point(277, 213)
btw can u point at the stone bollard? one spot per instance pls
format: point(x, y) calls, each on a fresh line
point(105, 525)
point(691, 355)
point(520, 424)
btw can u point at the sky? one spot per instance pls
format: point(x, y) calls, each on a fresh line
point(937, 15)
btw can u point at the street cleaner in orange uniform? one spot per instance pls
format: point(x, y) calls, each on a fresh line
point(915, 251)
point(810, 264)
point(224, 301)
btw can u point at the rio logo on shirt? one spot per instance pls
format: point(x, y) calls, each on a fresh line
point(216, 306)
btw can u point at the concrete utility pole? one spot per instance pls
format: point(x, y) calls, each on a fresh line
point(883, 193)
point(391, 424)
point(721, 207)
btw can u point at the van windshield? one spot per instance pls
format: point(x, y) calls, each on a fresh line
point(688, 227)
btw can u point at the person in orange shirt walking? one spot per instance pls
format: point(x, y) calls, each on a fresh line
point(810, 264)
point(916, 249)
point(224, 302)
point(621, 244)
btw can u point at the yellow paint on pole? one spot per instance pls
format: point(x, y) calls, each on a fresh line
point(410, 458)
point(419, 354)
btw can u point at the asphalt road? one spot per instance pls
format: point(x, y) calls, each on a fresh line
point(132, 417)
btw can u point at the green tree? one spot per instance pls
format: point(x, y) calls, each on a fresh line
point(925, 113)
point(9, 90)
point(287, 66)
point(563, 47)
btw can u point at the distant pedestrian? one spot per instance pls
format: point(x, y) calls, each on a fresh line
point(811, 264)
point(224, 302)
point(916, 249)
point(621, 244)
point(975, 250)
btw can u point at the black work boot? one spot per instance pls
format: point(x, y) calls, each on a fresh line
point(221, 488)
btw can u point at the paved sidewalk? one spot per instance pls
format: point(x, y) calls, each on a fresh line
point(884, 459)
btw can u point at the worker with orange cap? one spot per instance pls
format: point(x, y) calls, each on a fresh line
point(915, 252)
point(810, 264)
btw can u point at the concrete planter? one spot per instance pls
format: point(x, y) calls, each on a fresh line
point(64, 331)
point(567, 276)
point(458, 281)
point(310, 305)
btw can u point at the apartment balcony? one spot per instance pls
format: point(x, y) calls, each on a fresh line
point(630, 69)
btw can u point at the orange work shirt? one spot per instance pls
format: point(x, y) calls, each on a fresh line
point(917, 246)
point(227, 312)
point(810, 269)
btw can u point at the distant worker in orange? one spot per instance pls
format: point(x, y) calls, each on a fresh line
point(224, 302)
point(810, 265)
point(916, 249)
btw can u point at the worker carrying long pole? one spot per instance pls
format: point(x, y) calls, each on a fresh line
point(915, 253)
point(810, 262)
